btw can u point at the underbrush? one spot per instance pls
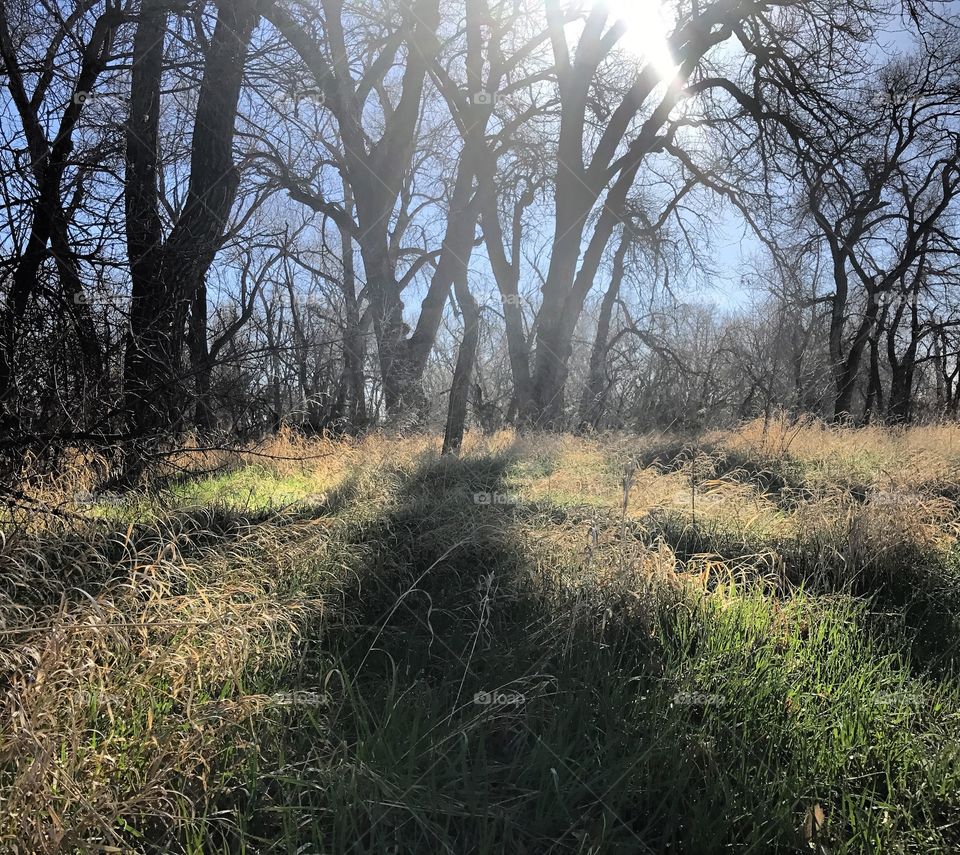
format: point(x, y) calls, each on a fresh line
point(740, 642)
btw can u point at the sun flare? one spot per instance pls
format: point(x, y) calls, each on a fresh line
point(648, 28)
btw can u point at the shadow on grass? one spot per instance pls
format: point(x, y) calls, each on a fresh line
point(466, 702)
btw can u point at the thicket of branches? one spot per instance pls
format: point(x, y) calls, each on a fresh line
point(220, 216)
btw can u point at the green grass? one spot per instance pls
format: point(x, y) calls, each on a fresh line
point(651, 699)
point(251, 488)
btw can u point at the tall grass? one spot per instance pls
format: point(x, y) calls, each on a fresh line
point(619, 644)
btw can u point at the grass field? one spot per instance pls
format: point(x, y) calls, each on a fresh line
point(745, 642)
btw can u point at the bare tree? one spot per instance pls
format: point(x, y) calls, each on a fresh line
point(168, 271)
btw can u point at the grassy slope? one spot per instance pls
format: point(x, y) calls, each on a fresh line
point(752, 648)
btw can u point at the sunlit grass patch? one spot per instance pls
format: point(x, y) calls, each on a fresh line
point(565, 471)
point(251, 488)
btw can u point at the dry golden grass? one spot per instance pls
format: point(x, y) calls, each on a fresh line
point(899, 458)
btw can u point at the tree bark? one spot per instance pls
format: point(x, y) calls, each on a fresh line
point(903, 368)
point(594, 394)
point(353, 348)
point(463, 373)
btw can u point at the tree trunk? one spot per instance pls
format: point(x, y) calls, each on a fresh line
point(593, 399)
point(506, 271)
point(149, 308)
point(463, 373)
point(874, 401)
point(553, 347)
point(200, 365)
point(169, 278)
point(353, 349)
point(849, 369)
point(903, 368)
